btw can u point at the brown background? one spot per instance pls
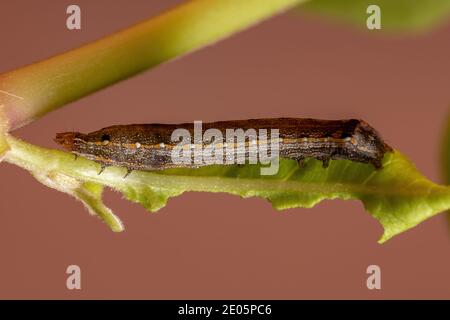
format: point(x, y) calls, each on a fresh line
point(217, 245)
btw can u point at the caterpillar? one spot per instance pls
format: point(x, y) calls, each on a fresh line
point(151, 146)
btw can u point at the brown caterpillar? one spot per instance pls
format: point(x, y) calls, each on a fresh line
point(150, 146)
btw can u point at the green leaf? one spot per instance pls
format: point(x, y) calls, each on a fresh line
point(401, 15)
point(89, 193)
point(398, 196)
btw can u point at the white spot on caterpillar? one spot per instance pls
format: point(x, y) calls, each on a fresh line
point(161, 145)
point(105, 142)
point(138, 145)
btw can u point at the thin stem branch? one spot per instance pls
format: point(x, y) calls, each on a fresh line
point(30, 92)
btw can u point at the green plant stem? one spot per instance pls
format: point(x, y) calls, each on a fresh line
point(52, 83)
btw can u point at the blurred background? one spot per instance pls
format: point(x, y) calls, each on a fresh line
point(217, 246)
